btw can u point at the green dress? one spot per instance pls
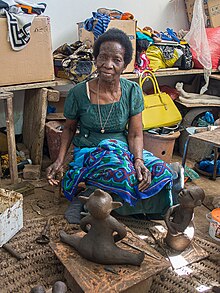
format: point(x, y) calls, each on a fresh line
point(78, 107)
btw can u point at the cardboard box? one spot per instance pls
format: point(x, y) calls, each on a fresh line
point(128, 26)
point(214, 12)
point(34, 63)
point(211, 8)
point(11, 214)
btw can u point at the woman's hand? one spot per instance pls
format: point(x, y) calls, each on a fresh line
point(52, 171)
point(143, 175)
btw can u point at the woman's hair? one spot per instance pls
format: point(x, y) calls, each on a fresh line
point(115, 35)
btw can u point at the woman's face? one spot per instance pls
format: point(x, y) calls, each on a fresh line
point(110, 61)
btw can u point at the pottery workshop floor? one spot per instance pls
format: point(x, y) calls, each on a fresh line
point(40, 266)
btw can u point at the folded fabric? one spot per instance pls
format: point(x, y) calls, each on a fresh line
point(190, 174)
point(25, 6)
point(113, 13)
point(110, 167)
point(31, 8)
point(19, 26)
point(20, 15)
point(208, 166)
point(98, 24)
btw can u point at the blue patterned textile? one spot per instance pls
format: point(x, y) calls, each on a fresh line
point(110, 167)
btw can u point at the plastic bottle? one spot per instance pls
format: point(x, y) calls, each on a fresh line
point(21, 165)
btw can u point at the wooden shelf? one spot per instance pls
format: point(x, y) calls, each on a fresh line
point(169, 72)
point(35, 85)
point(215, 76)
point(188, 105)
point(55, 116)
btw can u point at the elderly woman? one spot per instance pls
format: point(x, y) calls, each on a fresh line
point(108, 150)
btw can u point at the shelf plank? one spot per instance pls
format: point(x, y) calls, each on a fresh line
point(28, 86)
point(55, 116)
point(169, 72)
point(188, 105)
point(215, 76)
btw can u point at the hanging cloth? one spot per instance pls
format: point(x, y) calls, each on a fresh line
point(197, 39)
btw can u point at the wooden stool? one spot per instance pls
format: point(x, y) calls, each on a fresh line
point(9, 119)
point(212, 137)
point(83, 275)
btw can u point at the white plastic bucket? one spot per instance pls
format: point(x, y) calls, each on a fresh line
point(214, 223)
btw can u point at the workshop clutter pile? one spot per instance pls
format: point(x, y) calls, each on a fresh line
point(22, 155)
point(24, 164)
point(25, 38)
point(153, 49)
point(74, 62)
point(160, 119)
point(158, 50)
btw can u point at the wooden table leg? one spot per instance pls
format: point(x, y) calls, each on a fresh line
point(1, 174)
point(11, 137)
point(34, 119)
point(216, 154)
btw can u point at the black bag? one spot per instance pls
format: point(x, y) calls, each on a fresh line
point(185, 61)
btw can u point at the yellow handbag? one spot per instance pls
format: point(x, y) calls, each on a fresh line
point(159, 108)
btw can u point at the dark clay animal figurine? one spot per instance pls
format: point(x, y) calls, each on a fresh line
point(179, 218)
point(98, 245)
point(58, 287)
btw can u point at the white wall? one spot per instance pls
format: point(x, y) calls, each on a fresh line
point(64, 15)
point(158, 14)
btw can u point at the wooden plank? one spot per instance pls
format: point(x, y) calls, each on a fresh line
point(86, 276)
point(215, 76)
point(9, 119)
point(212, 137)
point(56, 82)
point(53, 95)
point(56, 116)
point(188, 105)
point(35, 109)
point(25, 188)
point(169, 72)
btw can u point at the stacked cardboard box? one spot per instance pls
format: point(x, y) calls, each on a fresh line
point(34, 63)
point(128, 26)
point(211, 8)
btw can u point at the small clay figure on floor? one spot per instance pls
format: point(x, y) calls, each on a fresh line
point(98, 245)
point(179, 218)
point(58, 287)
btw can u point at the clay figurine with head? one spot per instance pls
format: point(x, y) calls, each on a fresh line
point(102, 232)
point(179, 218)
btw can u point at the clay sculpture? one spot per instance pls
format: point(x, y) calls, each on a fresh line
point(98, 244)
point(179, 218)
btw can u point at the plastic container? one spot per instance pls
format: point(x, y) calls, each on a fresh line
point(214, 223)
point(160, 145)
point(11, 214)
